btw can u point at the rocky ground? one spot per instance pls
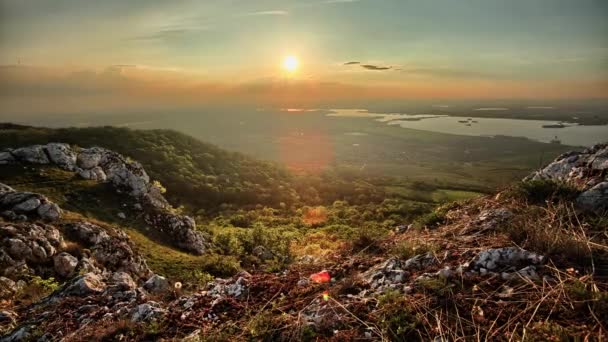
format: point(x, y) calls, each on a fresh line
point(527, 263)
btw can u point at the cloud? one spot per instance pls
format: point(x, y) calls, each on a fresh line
point(352, 63)
point(165, 34)
point(261, 13)
point(449, 72)
point(375, 67)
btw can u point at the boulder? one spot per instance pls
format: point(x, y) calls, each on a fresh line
point(84, 285)
point(89, 158)
point(157, 284)
point(61, 155)
point(123, 281)
point(49, 211)
point(96, 174)
point(594, 199)
point(6, 158)
point(32, 154)
point(181, 229)
point(27, 206)
point(65, 264)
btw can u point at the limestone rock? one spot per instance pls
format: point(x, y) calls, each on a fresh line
point(112, 250)
point(157, 284)
point(32, 154)
point(89, 158)
point(123, 281)
point(586, 171)
point(61, 155)
point(594, 199)
point(497, 259)
point(6, 158)
point(87, 284)
point(27, 205)
point(65, 264)
point(421, 261)
point(147, 312)
point(49, 211)
point(182, 230)
point(389, 274)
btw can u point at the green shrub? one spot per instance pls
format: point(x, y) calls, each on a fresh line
point(396, 318)
point(540, 191)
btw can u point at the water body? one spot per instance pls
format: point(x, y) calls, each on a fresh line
point(570, 134)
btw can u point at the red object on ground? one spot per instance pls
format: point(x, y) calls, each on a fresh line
point(321, 277)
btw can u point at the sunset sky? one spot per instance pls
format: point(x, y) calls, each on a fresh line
point(197, 50)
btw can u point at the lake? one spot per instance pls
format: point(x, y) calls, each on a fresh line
point(570, 134)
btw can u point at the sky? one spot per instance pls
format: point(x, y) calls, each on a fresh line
point(192, 52)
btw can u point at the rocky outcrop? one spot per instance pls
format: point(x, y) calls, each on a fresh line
point(26, 246)
point(586, 170)
point(181, 228)
point(15, 203)
point(103, 165)
point(110, 248)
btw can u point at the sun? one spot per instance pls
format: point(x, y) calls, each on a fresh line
point(290, 63)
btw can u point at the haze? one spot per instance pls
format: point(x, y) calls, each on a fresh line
point(111, 56)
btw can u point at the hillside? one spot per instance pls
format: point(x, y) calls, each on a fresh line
point(262, 254)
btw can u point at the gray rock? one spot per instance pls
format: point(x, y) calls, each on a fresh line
point(65, 264)
point(222, 287)
point(62, 155)
point(6, 158)
point(147, 312)
point(497, 259)
point(584, 170)
point(49, 211)
point(594, 199)
point(89, 158)
point(421, 261)
point(32, 154)
point(124, 281)
point(27, 205)
point(528, 272)
point(84, 285)
point(112, 251)
point(157, 284)
point(121, 215)
point(18, 249)
point(388, 273)
point(182, 230)
point(96, 174)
